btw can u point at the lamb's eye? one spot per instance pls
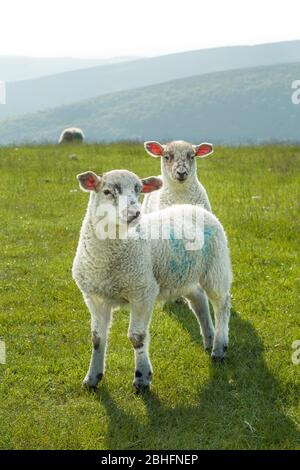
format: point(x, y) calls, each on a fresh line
point(168, 157)
point(106, 192)
point(137, 188)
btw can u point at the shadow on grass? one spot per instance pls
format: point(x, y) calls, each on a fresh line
point(240, 406)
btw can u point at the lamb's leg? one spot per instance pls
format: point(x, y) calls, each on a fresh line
point(198, 303)
point(100, 319)
point(222, 316)
point(138, 334)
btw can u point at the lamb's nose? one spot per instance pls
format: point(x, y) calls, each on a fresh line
point(181, 175)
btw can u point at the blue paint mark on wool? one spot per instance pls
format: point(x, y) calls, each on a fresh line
point(183, 260)
point(209, 232)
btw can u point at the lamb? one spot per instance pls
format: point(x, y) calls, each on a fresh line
point(71, 135)
point(179, 175)
point(181, 186)
point(125, 264)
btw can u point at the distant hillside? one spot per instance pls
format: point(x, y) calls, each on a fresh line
point(15, 68)
point(251, 105)
point(49, 92)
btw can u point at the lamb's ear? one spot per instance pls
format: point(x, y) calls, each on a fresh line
point(151, 184)
point(203, 150)
point(155, 149)
point(89, 181)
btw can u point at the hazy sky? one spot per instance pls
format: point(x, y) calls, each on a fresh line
point(105, 28)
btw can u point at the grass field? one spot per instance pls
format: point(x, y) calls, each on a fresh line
point(249, 402)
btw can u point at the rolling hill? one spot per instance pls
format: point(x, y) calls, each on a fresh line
point(233, 107)
point(71, 87)
point(15, 68)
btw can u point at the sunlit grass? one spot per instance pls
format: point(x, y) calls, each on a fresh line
point(249, 402)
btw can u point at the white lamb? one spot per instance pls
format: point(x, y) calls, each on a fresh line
point(72, 135)
point(112, 270)
point(179, 175)
point(182, 186)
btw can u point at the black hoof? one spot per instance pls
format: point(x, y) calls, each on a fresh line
point(90, 384)
point(141, 388)
point(89, 388)
point(217, 359)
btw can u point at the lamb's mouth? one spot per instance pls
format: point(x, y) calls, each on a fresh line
point(181, 179)
point(181, 175)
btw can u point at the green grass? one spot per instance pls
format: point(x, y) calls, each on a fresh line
point(249, 402)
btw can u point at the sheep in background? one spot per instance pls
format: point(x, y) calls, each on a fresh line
point(137, 270)
point(181, 186)
point(72, 135)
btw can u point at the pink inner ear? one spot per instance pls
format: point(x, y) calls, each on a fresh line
point(204, 150)
point(155, 148)
point(90, 182)
point(149, 186)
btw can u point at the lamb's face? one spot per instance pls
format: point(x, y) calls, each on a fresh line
point(178, 158)
point(178, 161)
point(120, 189)
point(116, 194)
